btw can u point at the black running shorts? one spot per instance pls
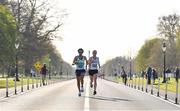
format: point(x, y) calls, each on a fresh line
point(92, 72)
point(80, 72)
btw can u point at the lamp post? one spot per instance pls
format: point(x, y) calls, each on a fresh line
point(164, 51)
point(61, 71)
point(119, 68)
point(112, 67)
point(130, 68)
point(49, 68)
point(17, 46)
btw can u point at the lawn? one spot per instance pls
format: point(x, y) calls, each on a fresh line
point(171, 83)
point(11, 82)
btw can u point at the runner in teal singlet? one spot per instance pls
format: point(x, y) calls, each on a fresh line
point(81, 65)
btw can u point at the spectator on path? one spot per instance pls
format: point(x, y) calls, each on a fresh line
point(142, 74)
point(43, 72)
point(32, 72)
point(124, 75)
point(154, 75)
point(177, 74)
point(148, 73)
point(168, 74)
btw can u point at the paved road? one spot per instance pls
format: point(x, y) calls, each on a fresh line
point(63, 96)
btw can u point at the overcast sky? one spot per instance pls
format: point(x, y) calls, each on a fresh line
point(112, 27)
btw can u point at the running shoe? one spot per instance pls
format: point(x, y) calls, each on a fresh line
point(82, 89)
point(94, 93)
point(79, 94)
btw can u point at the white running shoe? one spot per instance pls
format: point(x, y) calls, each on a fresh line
point(82, 89)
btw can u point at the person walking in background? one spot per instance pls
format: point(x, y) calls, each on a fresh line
point(94, 66)
point(148, 73)
point(177, 74)
point(168, 74)
point(154, 75)
point(32, 72)
point(43, 72)
point(81, 66)
point(142, 74)
point(124, 75)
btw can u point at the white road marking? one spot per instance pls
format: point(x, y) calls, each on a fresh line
point(86, 104)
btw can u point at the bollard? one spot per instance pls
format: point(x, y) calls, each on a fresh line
point(142, 84)
point(152, 81)
point(129, 82)
point(176, 99)
point(46, 82)
point(36, 81)
point(15, 89)
point(135, 82)
point(139, 83)
point(146, 85)
point(28, 83)
point(158, 87)
point(166, 91)
point(32, 82)
point(22, 83)
point(40, 81)
point(132, 82)
point(7, 87)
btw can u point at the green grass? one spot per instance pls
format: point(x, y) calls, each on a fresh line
point(11, 82)
point(171, 84)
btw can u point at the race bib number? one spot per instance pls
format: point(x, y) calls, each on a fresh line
point(94, 65)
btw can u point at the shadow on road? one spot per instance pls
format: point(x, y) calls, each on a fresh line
point(106, 98)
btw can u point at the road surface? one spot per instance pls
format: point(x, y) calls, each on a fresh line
point(64, 96)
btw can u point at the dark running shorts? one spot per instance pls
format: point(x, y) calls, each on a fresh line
point(92, 72)
point(80, 72)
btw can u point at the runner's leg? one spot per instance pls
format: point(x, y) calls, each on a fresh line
point(78, 82)
point(91, 81)
point(95, 81)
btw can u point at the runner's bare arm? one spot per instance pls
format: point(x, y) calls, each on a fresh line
point(86, 61)
point(74, 61)
point(99, 63)
point(89, 61)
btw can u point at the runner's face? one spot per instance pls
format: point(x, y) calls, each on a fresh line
point(80, 52)
point(94, 53)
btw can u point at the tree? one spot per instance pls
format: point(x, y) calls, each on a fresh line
point(168, 27)
point(34, 18)
point(148, 54)
point(8, 34)
point(178, 48)
point(114, 64)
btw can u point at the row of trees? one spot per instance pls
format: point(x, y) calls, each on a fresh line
point(113, 67)
point(33, 24)
point(151, 53)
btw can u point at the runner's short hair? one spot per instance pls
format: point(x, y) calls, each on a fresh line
point(80, 49)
